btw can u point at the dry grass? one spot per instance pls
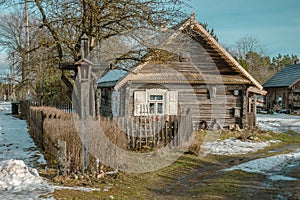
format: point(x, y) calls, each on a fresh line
point(189, 177)
point(59, 125)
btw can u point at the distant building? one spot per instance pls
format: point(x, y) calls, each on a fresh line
point(283, 89)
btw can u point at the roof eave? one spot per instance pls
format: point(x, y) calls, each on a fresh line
point(294, 83)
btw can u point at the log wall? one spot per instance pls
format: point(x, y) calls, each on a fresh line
point(226, 107)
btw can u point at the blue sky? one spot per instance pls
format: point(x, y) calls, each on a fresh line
point(275, 23)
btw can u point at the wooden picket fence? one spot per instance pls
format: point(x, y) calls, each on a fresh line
point(153, 131)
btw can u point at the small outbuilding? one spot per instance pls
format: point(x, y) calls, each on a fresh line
point(283, 89)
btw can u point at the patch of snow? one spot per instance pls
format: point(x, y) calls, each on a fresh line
point(18, 181)
point(281, 178)
point(5, 106)
point(279, 122)
point(15, 141)
point(233, 146)
point(274, 166)
point(84, 189)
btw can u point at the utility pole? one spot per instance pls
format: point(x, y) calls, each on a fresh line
point(26, 39)
point(25, 70)
point(12, 78)
point(27, 24)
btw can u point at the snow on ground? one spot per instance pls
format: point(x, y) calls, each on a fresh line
point(274, 166)
point(84, 189)
point(275, 122)
point(279, 122)
point(233, 146)
point(5, 106)
point(18, 156)
point(18, 181)
point(15, 141)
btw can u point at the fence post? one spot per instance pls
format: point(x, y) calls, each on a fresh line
point(62, 157)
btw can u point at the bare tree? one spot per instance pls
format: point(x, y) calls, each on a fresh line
point(34, 64)
point(248, 44)
point(12, 39)
point(65, 21)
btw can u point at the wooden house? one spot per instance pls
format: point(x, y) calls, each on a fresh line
point(203, 79)
point(284, 89)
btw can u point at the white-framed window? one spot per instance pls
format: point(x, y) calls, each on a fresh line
point(155, 102)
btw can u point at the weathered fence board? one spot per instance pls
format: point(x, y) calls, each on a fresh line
point(155, 131)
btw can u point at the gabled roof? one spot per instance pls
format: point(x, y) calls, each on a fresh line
point(287, 77)
point(84, 60)
point(236, 71)
point(216, 46)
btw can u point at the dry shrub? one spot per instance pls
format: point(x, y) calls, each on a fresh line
point(59, 125)
point(106, 141)
point(113, 132)
point(196, 144)
point(244, 135)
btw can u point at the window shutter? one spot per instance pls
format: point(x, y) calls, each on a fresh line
point(171, 102)
point(140, 103)
point(115, 103)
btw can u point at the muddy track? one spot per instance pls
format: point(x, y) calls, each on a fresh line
point(188, 182)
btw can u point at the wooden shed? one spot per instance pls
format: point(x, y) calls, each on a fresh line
point(284, 89)
point(203, 79)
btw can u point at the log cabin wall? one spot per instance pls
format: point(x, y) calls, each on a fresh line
point(294, 96)
point(278, 98)
point(283, 97)
point(226, 108)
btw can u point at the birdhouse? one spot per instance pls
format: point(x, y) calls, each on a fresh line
point(84, 70)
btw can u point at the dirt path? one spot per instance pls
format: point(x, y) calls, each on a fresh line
point(206, 181)
point(192, 177)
